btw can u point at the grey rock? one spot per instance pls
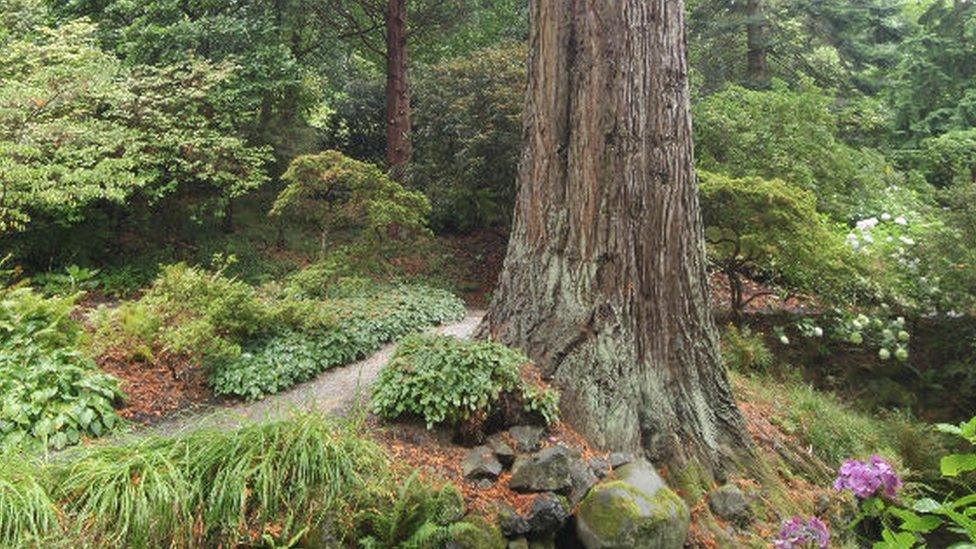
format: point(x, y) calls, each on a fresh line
point(480, 463)
point(527, 437)
point(512, 524)
point(548, 543)
point(503, 451)
point(518, 543)
point(600, 466)
point(728, 502)
point(632, 508)
point(484, 484)
point(547, 515)
point(545, 471)
point(581, 477)
point(619, 459)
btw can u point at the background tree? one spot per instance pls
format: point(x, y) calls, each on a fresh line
point(770, 231)
point(336, 193)
point(362, 20)
point(468, 130)
point(604, 281)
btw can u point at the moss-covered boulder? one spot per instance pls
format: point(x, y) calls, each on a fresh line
point(481, 534)
point(632, 509)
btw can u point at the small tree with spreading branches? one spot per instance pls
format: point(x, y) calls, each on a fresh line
point(771, 231)
point(336, 193)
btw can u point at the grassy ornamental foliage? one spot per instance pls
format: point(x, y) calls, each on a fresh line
point(27, 512)
point(443, 380)
point(50, 393)
point(302, 480)
point(771, 230)
point(336, 193)
point(361, 325)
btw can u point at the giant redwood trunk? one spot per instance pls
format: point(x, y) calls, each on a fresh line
point(604, 281)
point(398, 148)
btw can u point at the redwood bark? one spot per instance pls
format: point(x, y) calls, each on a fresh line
point(398, 149)
point(604, 281)
point(756, 68)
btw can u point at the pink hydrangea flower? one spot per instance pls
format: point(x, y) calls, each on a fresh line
point(797, 533)
point(866, 478)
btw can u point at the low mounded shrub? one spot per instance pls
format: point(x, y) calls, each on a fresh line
point(187, 311)
point(50, 393)
point(444, 380)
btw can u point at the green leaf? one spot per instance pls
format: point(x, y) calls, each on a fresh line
point(954, 464)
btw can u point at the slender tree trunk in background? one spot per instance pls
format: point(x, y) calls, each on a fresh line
point(604, 281)
point(757, 71)
point(398, 149)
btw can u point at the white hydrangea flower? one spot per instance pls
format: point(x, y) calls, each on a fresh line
point(906, 241)
point(886, 216)
point(867, 224)
point(900, 220)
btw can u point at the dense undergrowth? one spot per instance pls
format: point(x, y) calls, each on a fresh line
point(304, 479)
point(259, 341)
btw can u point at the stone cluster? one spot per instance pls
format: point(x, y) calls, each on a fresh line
point(600, 503)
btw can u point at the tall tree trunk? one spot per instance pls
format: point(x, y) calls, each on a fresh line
point(757, 71)
point(604, 281)
point(398, 148)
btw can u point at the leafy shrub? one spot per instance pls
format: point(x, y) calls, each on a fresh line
point(790, 135)
point(909, 522)
point(360, 326)
point(68, 282)
point(50, 393)
point(446, 381)
point(744, 351)
point(81, 128)
point(336, 193)
point(27, 513)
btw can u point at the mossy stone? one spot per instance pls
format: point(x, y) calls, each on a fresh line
point(632, 509)
point(482, 535)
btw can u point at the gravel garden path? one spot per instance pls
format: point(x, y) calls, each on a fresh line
point(334, 391)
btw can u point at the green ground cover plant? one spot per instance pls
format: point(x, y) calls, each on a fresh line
point(362, 324)
point(51, 394)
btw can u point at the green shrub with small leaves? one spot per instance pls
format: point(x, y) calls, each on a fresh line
point(359, 326)
point(335, 193)
point(444, 380)
point(745, 351)
point(50, 393)
point(187, 311)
